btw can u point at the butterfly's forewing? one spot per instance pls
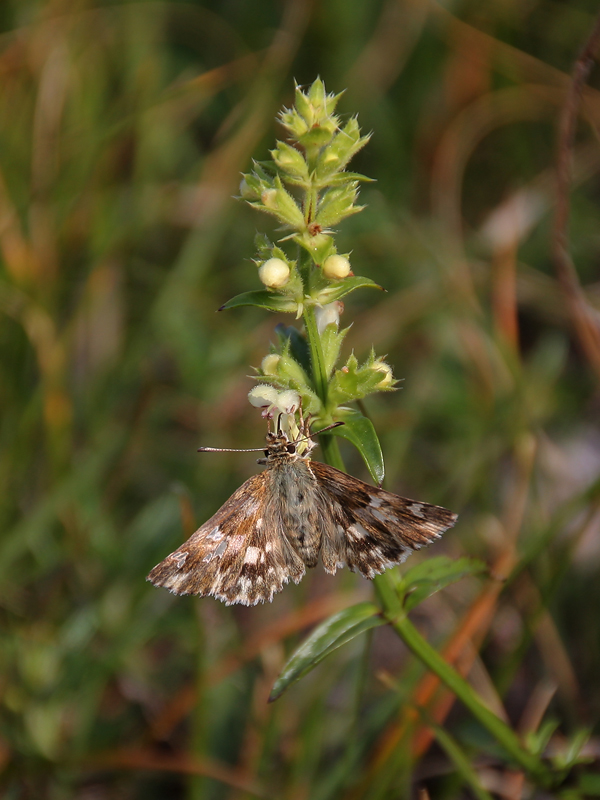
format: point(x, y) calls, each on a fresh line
point(373, 529)
point(240, 555)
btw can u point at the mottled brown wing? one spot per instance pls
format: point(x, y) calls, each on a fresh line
point(373, 529)
point(240, 555)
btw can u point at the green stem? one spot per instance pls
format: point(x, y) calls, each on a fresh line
point(319, 373)
point(329, 445)
point(499, 729)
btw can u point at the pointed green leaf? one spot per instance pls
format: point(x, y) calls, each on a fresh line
point(262, 299)
point(360, 431)
point(339, 289)
point(346, 177)
point(327, 637)
point(427, 578)
point(331, 342)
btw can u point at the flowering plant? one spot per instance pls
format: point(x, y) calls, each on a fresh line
point(307, 188)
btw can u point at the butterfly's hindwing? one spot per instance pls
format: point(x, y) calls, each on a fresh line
point(239, 556)
point(373, 529)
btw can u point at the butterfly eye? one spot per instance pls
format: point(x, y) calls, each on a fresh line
point(291, 448)
point(266, 452)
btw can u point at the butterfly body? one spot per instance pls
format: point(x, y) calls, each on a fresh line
point(282, 520)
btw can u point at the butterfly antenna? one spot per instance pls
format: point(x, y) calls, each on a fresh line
point(230, 450)
point(316, 433)
point(262, 449)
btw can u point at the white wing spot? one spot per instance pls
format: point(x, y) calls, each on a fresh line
point(357, 531)
point(215, 534)
point(376, 502)
point(381, 517)
point(259, 523)
point(217, 552)
point(268, 547)
point(181, 558)
point(417, 510)
point(252, 555)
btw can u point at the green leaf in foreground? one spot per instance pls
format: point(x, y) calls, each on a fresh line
point(261, 299)
point(327, 637)
point(360, 431)
point(427, 578)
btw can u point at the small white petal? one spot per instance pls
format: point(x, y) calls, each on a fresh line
point(328, 315)
point(288, 401)
point(262, 395)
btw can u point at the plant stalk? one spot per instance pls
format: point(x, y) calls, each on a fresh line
point(499, 729)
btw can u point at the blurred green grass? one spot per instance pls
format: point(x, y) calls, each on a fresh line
point(123, 130)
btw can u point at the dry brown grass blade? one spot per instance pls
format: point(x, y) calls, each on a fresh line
point(550, 644)
point(504, 295)
point(513, 63)
point(513, 783)
point(19, 258)
point(585, 319)
point(383, 58)
point(146, 759)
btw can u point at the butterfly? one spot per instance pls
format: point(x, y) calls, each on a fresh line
point(282, 520)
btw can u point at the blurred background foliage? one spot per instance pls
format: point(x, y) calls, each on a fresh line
point(123, 130)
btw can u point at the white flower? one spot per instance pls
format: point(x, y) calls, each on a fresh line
point(281, 404)
point(328, 315)
point(288, 401)
point(263, 395)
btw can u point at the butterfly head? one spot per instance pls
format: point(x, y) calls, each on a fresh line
point(280, 448)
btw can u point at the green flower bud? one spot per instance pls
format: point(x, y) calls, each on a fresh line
point(312, 122)
point(337, 204)
point(274, 273)
point(320, 245)
point(249, 188)
point(342, 148)
point(290, 161)
point(290, 372)
point(336, 267)
point(281, 204)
